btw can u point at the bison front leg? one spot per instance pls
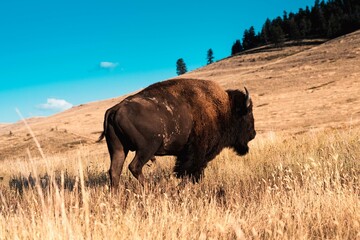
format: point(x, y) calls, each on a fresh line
point(194, 174)
point(190, 167)
point(197, 175)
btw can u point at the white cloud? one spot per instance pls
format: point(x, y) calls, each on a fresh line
point(108, 65)
point(55, 105)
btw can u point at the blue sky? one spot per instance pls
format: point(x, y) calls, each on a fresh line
point(60, 53)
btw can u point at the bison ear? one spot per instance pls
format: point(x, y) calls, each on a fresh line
point(240, 102)
point(247, 97)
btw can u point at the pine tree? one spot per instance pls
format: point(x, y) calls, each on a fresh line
point(180, 66)
point(265, 32)
point(210, 56)
point(285, 23)
point(236, 48)
point(304, 27)
point(250, 39)
point(318, 21)
point(294, 32)
point(277, 35)
point(334, 26)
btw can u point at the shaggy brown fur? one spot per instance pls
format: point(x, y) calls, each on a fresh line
point(191, 119)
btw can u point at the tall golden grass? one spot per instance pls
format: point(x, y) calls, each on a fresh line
point(299, 187)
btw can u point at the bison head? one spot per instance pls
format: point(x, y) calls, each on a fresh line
point(243, 128)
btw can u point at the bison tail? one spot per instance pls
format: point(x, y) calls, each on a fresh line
point(101, 137)
point(105, 125)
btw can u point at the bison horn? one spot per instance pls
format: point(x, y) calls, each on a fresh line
point(247, 98)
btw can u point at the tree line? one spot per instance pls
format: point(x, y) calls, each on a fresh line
point(328, 19)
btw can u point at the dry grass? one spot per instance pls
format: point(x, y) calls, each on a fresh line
point(288, 187)
point(304, 187)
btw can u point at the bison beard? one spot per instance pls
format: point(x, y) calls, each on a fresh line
point(241, 150)
point(190, 119)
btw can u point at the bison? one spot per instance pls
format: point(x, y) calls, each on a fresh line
point(187, 118)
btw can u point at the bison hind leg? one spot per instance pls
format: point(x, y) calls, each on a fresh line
point(118, 154)
point(140, 159)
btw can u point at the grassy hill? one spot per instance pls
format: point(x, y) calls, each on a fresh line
point(298, 88)
point(300, 179)
point(295, 89)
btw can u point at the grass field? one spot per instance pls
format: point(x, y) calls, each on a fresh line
point(299, 181)
point(299, 187)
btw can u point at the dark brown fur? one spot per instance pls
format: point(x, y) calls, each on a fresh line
point(190, 119)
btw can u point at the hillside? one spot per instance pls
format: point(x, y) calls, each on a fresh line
point(295, 89)
point(298, 89)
